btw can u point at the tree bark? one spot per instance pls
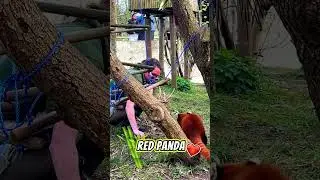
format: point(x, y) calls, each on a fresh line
point(77, 86)
point(156, 111)
point(188, 26)
point(302, 21)
point(113, 20)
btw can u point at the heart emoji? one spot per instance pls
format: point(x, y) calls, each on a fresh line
point(193, 149)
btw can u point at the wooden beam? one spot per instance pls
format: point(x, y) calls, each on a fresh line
point(128, 30)
point(148, 38)
point(83, 35)
point(160, 83)
point(129, 25)
point(173, 52)
point(33, 91)
point(88, 34)
point(41, 122)
point(161, 45)
point(138, 65)
point(186, 64)
point(100, 15)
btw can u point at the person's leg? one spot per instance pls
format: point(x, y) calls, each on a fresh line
point(64, 152)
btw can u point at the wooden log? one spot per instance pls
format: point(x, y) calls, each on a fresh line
point(129, 26)
point(33, 91)
point(161, 44)
point(77, 86)
point(173, 53)
point(160, 83)
point(138, 65)
point(74, 11)
point(84, 35)
point(128, 30)
point(40, 123)
point(141, 71)
point(148, 38)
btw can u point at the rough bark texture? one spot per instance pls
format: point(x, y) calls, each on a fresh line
point(302, 21)
point(156, 111)
point(113, 20)
point(188, 26)
point(73, 83)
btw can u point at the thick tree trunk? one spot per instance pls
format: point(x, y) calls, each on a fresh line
point(73, 83)
point(156, 111)
point(188, 28)
point(302, 21)
point(225, 30)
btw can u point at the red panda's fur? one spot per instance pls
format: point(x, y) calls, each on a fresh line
point(249, 171)
point(192, 126)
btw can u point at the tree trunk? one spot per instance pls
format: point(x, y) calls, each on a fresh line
point(302, 21)
point(225, 30)
point(188, 26)
point(113, 20)
point(156, 111)
point(77, 86)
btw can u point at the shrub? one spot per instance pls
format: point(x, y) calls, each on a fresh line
point(183, 84)
point(235, 74)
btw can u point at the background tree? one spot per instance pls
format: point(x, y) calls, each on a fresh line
point(300, 18)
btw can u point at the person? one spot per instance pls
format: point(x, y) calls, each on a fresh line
point(140, 19)
point(127, 112)
point(153, 26)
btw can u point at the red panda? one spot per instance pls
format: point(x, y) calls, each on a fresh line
point(192, 126)
point(249, 171)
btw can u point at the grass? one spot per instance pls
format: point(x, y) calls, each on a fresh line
point(276, 124)
point(157, 165)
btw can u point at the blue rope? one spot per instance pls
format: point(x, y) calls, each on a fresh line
point(16, 77)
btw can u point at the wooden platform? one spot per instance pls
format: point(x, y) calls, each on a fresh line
point(155, 11)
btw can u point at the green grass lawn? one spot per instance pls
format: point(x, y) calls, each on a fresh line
point(277, 124)
point(157, 165)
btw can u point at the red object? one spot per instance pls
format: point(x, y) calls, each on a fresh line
point(156, 71)
point(193, 149)
point(192, 126)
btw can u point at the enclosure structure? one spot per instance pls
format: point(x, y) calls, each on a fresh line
point(151, 7)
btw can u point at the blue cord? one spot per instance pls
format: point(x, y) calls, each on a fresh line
point(16, 77)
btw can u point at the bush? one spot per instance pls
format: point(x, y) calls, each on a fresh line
point(183, 84)
point(235, 74)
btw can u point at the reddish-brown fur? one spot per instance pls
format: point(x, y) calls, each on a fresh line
point(249, 171)
point(192, 126)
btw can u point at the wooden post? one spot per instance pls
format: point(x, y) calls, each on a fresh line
point(186, 65)
point(148, 37)
point(161, 45)
point(173, 53)
point(100, 15)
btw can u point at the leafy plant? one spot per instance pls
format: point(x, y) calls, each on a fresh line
point(235, 74)
point(183, 85)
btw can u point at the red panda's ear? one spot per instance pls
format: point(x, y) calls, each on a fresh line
point(181, 116)
point(253, 161)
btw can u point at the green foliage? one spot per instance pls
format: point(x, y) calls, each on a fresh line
point(235, 74)
point(183, 85)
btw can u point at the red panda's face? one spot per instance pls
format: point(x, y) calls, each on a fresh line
point(183, 115)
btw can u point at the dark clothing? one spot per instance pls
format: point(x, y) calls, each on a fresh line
point(119, 116)
point(37, 164)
